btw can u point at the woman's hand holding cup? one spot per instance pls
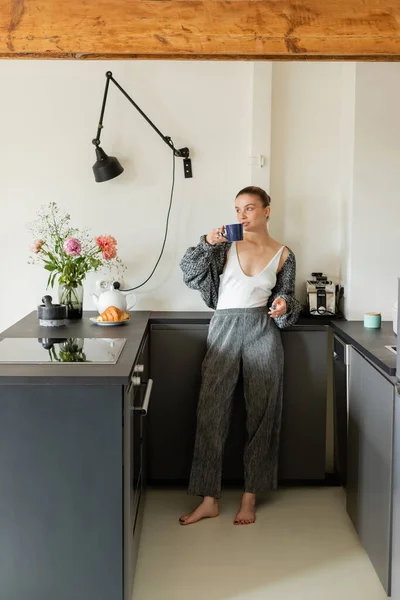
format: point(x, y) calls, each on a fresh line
point(216, 236)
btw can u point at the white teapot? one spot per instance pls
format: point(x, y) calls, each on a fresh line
point(112, 297)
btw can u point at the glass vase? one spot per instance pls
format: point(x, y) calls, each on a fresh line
point(72, 296)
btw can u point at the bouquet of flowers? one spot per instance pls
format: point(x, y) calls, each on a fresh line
point(68, 254)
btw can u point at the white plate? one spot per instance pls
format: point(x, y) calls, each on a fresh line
point(108, 323)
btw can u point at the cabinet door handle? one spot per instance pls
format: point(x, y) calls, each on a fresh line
point(145, 406)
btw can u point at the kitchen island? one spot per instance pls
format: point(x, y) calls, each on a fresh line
point(70, 467)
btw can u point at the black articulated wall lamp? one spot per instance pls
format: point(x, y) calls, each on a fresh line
point(108, 167)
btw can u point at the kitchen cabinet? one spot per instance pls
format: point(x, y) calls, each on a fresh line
point(72, 479)
point(340, 408)
point(176, 355)
point(370, 461)
point(303, 436)
point(136, 400)
point(61, 493)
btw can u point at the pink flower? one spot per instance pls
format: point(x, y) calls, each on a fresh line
point(36, 246)
point(72, 246)
point(108, 245)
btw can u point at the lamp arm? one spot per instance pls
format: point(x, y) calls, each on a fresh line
point(96, 141)
point(181, 152)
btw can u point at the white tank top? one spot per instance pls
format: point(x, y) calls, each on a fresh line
point(238, 290)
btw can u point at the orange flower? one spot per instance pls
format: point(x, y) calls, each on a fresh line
point(108, 245)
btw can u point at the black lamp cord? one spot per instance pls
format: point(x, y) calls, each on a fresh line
point(166, 229)
point(180, 152)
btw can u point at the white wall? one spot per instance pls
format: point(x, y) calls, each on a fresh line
point(261, 118)
point(329, 132)
point(347, 172)
point(307, 171)
point(374, 257)
point(335, 176)
point(50, 112)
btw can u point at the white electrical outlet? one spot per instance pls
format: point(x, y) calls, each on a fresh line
point(257, 161)
point(106, 283)
point(103, 284)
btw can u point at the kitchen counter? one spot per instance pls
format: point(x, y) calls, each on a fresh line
point(370, 342)
point(119, 373)
point(305, 323)
point(76, 373)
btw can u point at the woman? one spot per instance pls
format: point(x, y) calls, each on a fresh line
point(251, 285)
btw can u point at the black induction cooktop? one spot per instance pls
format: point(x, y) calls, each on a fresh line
point(58, 351)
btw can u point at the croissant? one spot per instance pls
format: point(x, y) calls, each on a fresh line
point(112, 313)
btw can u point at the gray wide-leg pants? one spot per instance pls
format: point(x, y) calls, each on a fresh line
point(246, 336)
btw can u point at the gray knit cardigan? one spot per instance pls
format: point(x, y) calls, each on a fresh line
point(203, 264)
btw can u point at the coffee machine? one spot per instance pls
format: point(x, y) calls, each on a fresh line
point(323, 296)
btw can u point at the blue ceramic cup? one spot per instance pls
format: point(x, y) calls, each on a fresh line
point(234, 232)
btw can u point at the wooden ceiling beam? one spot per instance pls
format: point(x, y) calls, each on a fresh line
point(201, 29)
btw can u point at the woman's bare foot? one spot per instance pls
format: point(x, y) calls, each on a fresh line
point(247, 512)
point(207, 509)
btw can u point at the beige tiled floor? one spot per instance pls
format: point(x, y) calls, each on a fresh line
point(302, 547)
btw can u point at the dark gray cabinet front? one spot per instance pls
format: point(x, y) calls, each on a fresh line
point(61, 535)
point(176, 355)
point(369, 462)
point(303, 436)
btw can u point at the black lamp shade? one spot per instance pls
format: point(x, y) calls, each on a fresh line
point(106, 167)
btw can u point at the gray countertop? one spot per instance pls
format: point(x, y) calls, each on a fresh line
point(370, 342)
point(82, 374)
point(203, 317)
point(118, 374)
